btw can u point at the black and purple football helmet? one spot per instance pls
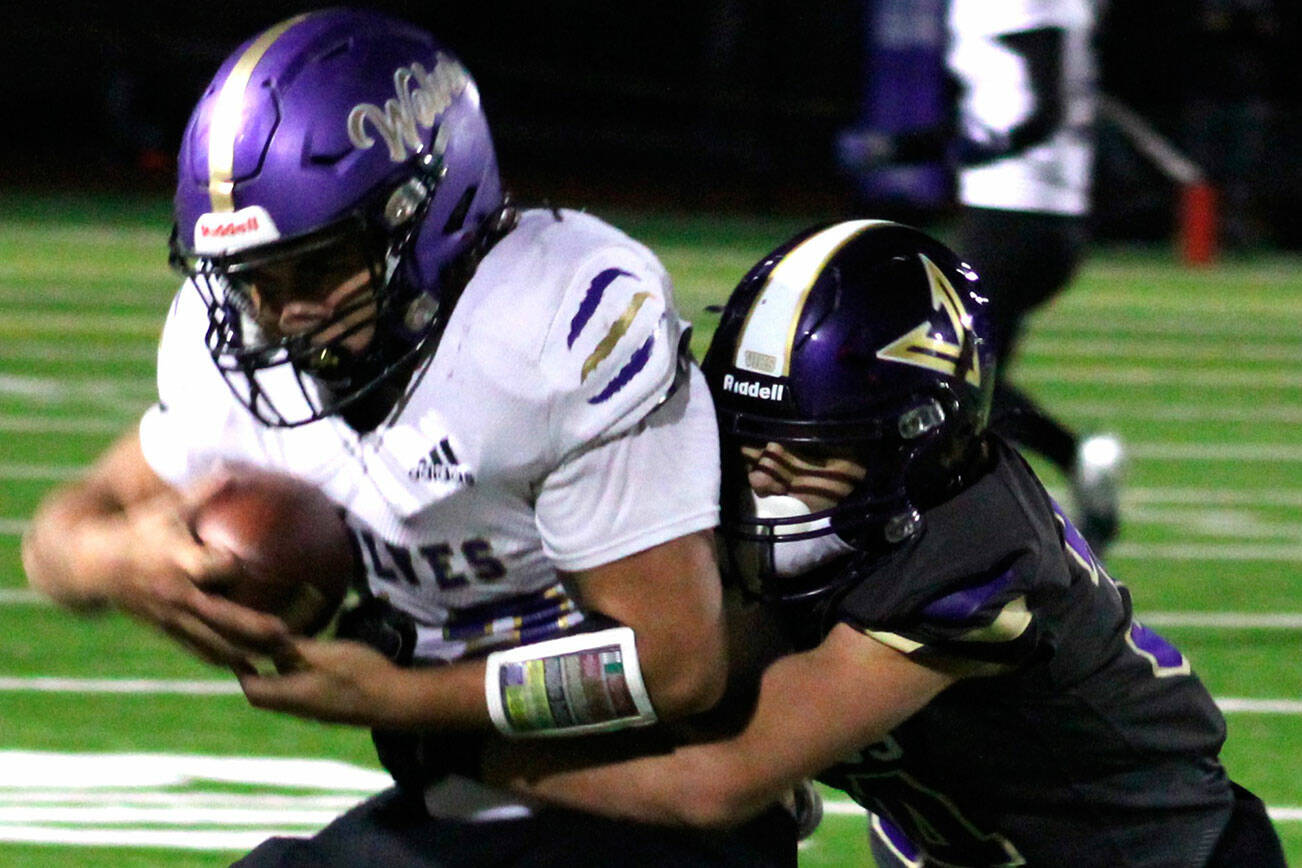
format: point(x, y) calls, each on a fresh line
point(867, 339)
point(340, 133)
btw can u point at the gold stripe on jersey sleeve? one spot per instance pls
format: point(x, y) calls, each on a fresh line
point(1009, 624)
point(894, 640)
point(617, 331)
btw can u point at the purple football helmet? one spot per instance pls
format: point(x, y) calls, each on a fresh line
point(340, 135)
point(863, 339)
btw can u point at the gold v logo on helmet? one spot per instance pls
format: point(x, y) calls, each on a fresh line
point(921, 347)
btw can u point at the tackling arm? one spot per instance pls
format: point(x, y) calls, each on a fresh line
point(814, 708)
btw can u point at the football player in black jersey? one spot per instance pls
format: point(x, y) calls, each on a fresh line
point(963, 665)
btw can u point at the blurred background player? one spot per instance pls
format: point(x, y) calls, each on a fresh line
point(1022, 140)
point(500, 401)
point(965, 667)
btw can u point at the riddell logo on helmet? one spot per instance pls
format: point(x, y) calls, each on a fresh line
point(751, 389)
point(230, 227)
point(229, 231)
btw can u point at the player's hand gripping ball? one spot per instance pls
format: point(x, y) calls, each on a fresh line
point(290, 540)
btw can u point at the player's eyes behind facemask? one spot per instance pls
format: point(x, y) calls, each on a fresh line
point(819, 476)
point(785, 484)
point(312, 276)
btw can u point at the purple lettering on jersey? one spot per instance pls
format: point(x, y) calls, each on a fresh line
point(593, 298)
point(635, 363)
point(965, 604)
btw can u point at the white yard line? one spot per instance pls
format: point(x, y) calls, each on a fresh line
point(1147, 411)
point(27, 233)
point(1077, 303)
point(107, 391)
point(1224, 620)
point(844, 807)
point(117, 298)
point(1097, 374)
point(141, 324)
point(1103, 350)
point(32, 424)
point(51, 771)
point(1075, 324)
point(202, 840)
point(1259, 706)
point(174, 816)
point(123, 686)
point(10, 472)
point(1204, 552)
point(1235, 452)
point(1215, 523)
point(128, 797)
point(1184, 496)
point(62, 351)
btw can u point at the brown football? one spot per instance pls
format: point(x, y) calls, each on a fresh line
point(290, 539)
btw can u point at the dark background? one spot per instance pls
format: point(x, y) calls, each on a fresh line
point(691, 104)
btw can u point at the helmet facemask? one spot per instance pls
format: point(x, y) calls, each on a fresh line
point(374, 331)
point(779, 546)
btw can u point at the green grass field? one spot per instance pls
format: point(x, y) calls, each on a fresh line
point(107, 734)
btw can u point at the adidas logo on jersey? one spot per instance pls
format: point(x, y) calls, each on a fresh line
point(750, 389)
point(441, 465)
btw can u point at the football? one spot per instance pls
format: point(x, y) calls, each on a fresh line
point(295, 551)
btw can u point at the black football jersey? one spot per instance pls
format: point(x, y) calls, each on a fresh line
point(1094, 744)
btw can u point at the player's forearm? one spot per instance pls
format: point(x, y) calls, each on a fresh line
point(441, 698)
point(67, 551)
point(715, 783)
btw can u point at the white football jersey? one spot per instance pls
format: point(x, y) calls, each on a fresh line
point(537, 437)
point(1053, 176)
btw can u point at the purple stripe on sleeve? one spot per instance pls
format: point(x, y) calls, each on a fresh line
point(963, 605)
point(895, 836)
point(1154, 644)
point(635, 363)
point(593, 298)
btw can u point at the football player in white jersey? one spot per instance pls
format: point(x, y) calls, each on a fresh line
point(500, 401)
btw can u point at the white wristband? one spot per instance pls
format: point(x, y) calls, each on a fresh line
point(588, 682)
